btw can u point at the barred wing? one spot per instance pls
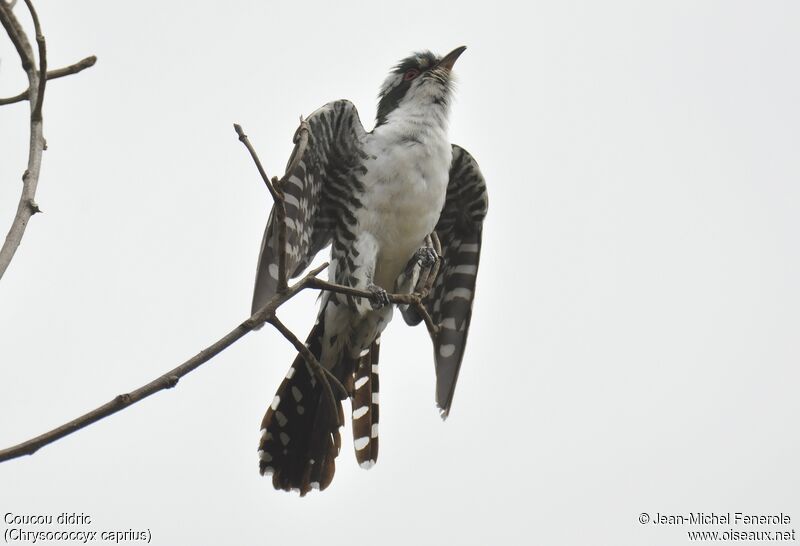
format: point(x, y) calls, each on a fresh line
point(450, 301)
point(313, 186)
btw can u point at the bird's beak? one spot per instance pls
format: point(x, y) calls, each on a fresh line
point(450, 59)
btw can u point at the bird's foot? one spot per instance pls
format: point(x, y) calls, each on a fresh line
point(379, 297)
point(426, 256)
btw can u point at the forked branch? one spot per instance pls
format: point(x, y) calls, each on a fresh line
point(80, 66)
point(37, 80)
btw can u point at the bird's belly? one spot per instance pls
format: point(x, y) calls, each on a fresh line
point(403, 208)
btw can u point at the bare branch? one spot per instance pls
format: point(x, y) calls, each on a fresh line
point(37, 109)
point(280, 206)
point(324, 375)
point(165, 381)
point(27, 205)
point(37, 80)
point(414, 299)
point(171, 378)
point(17, 35)
point(406, 299)
point(80, 66)
point(246, 141)
point(432, 327)
point(301, 141)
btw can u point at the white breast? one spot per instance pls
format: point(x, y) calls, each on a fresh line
point(405, 188)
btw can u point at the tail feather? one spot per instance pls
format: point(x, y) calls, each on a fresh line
point(365, 405)
point(300, 433)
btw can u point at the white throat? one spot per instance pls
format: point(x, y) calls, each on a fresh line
point(416, 121)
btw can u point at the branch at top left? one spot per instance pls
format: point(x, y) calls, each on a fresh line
point(37, 79)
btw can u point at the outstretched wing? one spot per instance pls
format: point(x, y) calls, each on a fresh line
point(313, 190)
point(450, 300)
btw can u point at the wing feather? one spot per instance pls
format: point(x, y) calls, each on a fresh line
point(316, 192)
point(459, 229)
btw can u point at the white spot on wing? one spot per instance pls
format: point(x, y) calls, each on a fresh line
point(297, 394)
point(361, 443)
point(374, 431)
point(290, 373)
point(447, 350)
point(365, 352)
point(366, 465)
point(281, 418)
point(264, 456)
point(464, 293)
point(314, 485)
point(275, 402)
point(361, 382)
point(375, 398)
point(284, 438)
point(375, 369)
point(360, 412)
point(300, 410)
point(466, 269)
point(296, 181)
point(292, 200)
point(273, 271)
point(449, 323)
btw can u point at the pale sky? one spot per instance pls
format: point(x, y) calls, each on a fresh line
point(634, 338)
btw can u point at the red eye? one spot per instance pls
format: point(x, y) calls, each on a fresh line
point(410, 74)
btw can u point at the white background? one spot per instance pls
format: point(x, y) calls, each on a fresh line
point(634, 344)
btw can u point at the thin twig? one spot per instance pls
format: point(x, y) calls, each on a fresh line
point(323, 374)
point(246, 141)
point(42, 47)
point(321, 284)
point(17, 36)
point(80, 66)
point(280, 206)
point(301, 347)
point(432, 327)
point(301, 142)
point(413, 299)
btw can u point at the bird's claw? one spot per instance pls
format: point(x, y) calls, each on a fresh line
point(426, 256)
point(379, 297)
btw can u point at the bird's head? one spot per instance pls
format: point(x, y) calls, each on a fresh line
point(418, 83)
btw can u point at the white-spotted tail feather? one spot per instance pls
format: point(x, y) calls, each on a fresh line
point(366, 406)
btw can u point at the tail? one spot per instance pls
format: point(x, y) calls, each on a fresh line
point(300, 432)
point(364, 400)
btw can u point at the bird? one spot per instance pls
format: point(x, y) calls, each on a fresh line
point(374, 197)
